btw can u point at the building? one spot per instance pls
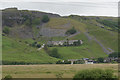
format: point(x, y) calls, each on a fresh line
point(70, 42)
point(89, 62)
point(72, 61)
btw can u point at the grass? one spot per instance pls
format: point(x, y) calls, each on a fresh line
point(14, 51)
point(49, 71)
point(83, 51)
point(106, 37)
point(65, 23)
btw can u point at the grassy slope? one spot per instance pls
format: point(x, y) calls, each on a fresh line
point(89, 49)
point(14, 51)
point(21, 52)
point(108, 38)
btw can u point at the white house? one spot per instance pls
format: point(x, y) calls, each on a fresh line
point(62, 42)
point(88, 62)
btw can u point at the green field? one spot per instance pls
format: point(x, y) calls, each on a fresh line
point(19, 52)
point(80, 51)
point(50, 70)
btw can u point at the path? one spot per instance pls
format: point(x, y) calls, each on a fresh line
point(72, 35)
point(41, 47)
point(103, 47)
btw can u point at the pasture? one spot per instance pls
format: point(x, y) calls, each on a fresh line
point(51, 70)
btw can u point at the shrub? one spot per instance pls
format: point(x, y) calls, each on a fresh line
point(8, 77)
point(100, 60)
point(45, 18)
point(65, 62)
point(114, 54)
point(71, 31)
point(36, 21)
point(38, 45)
point(59, 75)
point(6, 30)
point(27, 22)
point(54, 53)
point(109, 23)
point(94, 74)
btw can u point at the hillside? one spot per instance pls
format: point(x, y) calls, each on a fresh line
point(15, 52)
point(99, 36)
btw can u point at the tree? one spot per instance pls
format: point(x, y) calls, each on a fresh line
point(45, 18)
point(114, 54)
point(94, 74)
point(67, 42)
point(8, 77)
point(54, 53)
point(71, 31)
point(34, 44)
point(78, 42)
point(38, 45)
point(100, 60)
point(6, 30)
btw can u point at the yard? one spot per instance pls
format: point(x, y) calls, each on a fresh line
point(51, 70)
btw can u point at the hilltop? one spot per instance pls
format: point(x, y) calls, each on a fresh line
point(22, 28)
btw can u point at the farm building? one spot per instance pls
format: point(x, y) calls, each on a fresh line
point(88, 62)
point(62, 42)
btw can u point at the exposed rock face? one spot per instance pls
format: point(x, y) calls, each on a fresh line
point(48, 32)
point(15, 19)
point(12, 16)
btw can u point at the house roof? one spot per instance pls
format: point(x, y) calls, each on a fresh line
point(62, 41)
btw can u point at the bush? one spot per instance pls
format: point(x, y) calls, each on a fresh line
point(109, 23)
point(65, 62)
point(71, 31)
point(27, 22)
point(36, 21)
point(114, 54)
point(94, 74)
point(59, 75)
point(45, 19)
point(8, 77)
point(34, 44)
point(100, 60)
point(38, 45)
point(54, 53)
point(6, 30)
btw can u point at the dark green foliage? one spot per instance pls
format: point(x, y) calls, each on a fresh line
point(114, 54)
point(100, 60)
point(46, 49)
point(71, 31)
point(54, 53)
point(34, 44)
point(8, 77)
point(109, 23)
point(59, 75)
point(28, 19)
point(27, 22)
point(38, 45)
point(94, 74)
point(61, 62)
point(6, 30)
point(45, 18)
point(76, 43)
point(36, 21)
